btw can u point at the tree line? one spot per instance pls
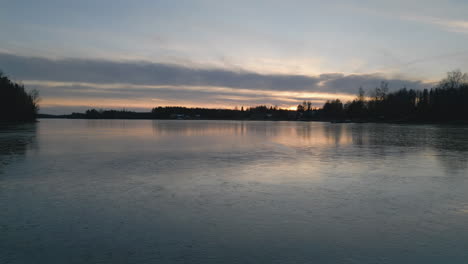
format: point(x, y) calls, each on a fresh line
point(16, 104)
point(447, 101)
point(261, 112)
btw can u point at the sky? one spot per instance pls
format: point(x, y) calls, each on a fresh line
point(214, 53)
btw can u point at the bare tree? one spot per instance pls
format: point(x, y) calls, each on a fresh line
point(454, 80)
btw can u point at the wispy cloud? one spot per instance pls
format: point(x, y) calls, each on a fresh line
point(444, 23)
point(460, 26)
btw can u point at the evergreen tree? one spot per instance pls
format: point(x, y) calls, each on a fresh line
point(16, 104)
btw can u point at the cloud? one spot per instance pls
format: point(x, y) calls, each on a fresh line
point(446, 24)
point(460, 26)
point(80, 82)
point(146, 73)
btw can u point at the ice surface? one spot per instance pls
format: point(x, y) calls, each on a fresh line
point(116, 191)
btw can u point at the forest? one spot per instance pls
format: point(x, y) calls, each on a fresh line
point(262, 112)
point(446, 102)
point(16, 104)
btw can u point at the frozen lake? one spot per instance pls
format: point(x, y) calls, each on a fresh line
point(129, 191)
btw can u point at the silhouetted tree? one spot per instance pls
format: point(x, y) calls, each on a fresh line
point(357, 109)
point(333, 109)
point(16, 104)
point(309, 106)
point(377, 105)
point(447, 101)
point(300, 108)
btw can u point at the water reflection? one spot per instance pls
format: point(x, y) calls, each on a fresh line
point(449, 145)
point(15, 141)
point(444, 137)
point(247, 141)
point(143, 191)
point(207, 128)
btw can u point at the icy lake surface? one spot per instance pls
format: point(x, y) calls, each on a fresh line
point(128, 191)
